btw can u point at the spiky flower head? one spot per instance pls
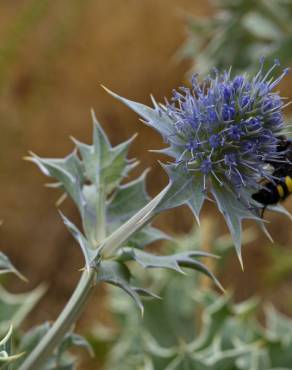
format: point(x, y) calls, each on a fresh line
point(227, 128)
point(222, 133)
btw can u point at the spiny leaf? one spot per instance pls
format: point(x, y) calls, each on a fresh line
point(184, 188)
point(234, 211)
point(155, 118)
point(117, 273)
point(67, 171)
point(103, 164)
point(6, 266)
point(73, 340)
point(127, 200)
point(90, 174)
point(135, 223)
point(172, 262)
point(148, 260)
point(88, 253)
point(147, 235)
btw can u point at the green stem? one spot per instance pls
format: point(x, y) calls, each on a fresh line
point(63, 324)
point(82, 292)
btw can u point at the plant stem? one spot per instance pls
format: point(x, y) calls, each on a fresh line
point(74, 307)
point(63, 323)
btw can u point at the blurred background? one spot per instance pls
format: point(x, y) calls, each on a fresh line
point(53, 58)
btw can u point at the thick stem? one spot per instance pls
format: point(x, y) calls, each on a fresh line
point(63, 324)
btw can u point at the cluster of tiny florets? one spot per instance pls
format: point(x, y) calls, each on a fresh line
point(228, 127)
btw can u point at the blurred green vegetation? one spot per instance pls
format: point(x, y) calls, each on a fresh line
point(191, 329)
point(238, 33)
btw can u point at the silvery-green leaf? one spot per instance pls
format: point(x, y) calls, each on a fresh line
point(90, 178)
point(15, 307)
point(6, 266)
point(149, 260)
point(147, 235)
point(117, 273)
point(234, 211)
point(92, 212)
point(119, 166)
point(172, 262)
point(114, 164)
point(88, 253)
point(127, 200)
point(184, 188)
point(156, 118)
point(67, 171)
point(103, 164)
point(189, 262)
point(73, 340)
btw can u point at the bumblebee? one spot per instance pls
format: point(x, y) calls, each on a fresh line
point(281, 187)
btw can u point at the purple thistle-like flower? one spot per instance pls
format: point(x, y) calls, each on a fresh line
point(223, 134)
point(223, 118)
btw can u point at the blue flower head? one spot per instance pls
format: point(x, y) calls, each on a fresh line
point(222, 132)
point(225, 117)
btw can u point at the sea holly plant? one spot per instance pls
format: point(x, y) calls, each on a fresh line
point(116, 217)
point(222, 133)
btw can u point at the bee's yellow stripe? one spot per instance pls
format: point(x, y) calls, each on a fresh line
point(280, 191)
point(288, 182)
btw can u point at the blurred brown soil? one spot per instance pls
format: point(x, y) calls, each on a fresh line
point(54, 56)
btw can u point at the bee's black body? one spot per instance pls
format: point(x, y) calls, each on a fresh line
point(281, 187)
